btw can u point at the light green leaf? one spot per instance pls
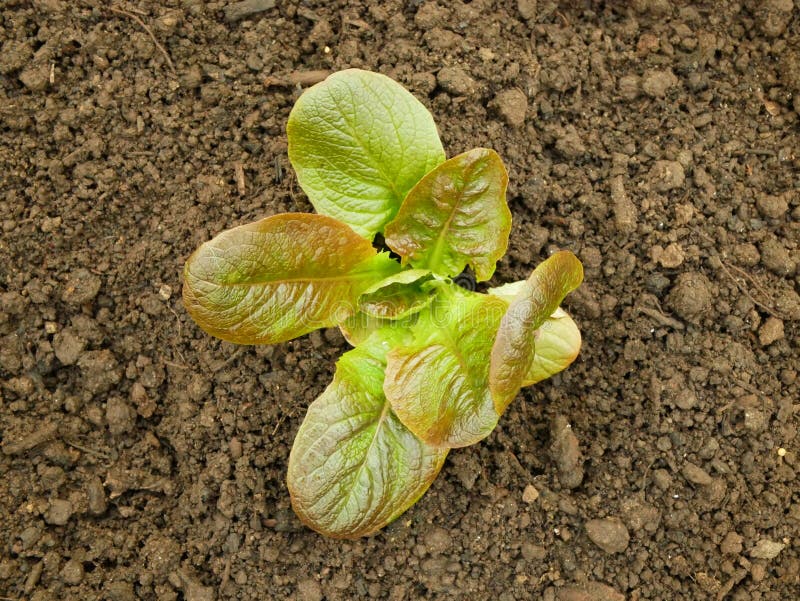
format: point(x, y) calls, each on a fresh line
point(399, 295)
point(354, 466)
point(455, 216)
point(279, 278)
point(438, 383)
point(514, 347)
point(359, 142)
point(557, 343)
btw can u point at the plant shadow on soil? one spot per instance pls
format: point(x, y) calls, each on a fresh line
point(658, 140)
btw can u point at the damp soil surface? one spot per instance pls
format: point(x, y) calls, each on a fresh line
point(658, 140)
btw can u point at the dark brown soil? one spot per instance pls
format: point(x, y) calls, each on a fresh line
point(659, 140)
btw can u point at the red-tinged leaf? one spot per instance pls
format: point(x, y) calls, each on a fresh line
point(514, 347)
point(279, 278)
point(455, 216)
point(438, 383)
point(557, 344)
point(354, 466)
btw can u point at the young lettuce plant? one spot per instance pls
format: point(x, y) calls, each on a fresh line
point(434, 365)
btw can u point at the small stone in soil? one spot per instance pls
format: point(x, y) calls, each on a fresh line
point(455, 80)
point(72, 572)
point(530, 494)
point(772, 207)
point(309, 590)
point(120, 591)
point(695, 474)
point(771, 331)
point(237, 11)
point(68, 346)
point(690, 297)
point(533, 552)
point(766, 549)
point(59, 512)
point(589, 591)
point(667, 175)
point(776, 258)
point(731, 544)
point(96, 495)
point(656, 83)
point(610, 534)
point(437, 540)
point(565, 450)
point(527, 8)
point(81, 287)
point(512, 105)
point(119, 415)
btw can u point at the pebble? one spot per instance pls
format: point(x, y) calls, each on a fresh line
point(72, 572)
point(97, 496)
point(235, 448)
point(746, 254)
point(59, 512)
point(569, 144)
point(527, 9)
point(145, 406)
point(456, 81)
point(14, 56)
point(533, 552)
point(772, 207)
point(731, 544)
point(511, 105)
point(690, 297)
point(776, 258)
point(771, 331)
point(82, 287)
point(437, 540)
point(657, 83)
point(667, 175)
point(670, 257)
point(119, 416)
point(625, 212)
point(639, 515)
point(36, 77)
point(629, 86)
point(194, 591)
point(589, 591)
point(42, 434)
point(773, 16)
point(696, 475)
point(662, 479)
point(100, 370)
point(530, 494)
point(247, 8)
point(120, 591)
point(610, 534)
point(309, 589)
point(566, 452)
point(766, 549)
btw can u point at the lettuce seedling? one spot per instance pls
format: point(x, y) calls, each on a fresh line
point(434, 365)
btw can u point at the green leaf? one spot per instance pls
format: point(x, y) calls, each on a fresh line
point(399, 295)
point(279, 278)
point(359, 142)
point(354, 466)
point(455, 216)
point(514, 347)
point(438, 383)
point(557, 343)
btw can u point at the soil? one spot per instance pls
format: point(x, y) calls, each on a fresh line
point(659, 140)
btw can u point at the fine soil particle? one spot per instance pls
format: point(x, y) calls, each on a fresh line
point(658, 140)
